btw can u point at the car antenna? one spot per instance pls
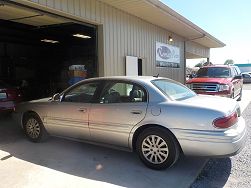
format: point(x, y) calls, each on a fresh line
point(156, 76)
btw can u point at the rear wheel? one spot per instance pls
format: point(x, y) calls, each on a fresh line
point(34, 128)
point(157, 148)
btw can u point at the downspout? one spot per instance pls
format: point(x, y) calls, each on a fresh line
point(185, 62)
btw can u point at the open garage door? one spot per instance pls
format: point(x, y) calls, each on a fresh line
point(37, 49)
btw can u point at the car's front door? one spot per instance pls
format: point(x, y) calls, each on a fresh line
point(69, 117)
point(120, 107)
point(237, 83)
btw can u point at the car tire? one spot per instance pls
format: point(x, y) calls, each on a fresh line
point(240, 96)
point(232, 95)
point(157, 148)
point(34, 128)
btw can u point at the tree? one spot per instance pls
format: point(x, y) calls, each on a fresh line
point(229, 62)
point(200, 64)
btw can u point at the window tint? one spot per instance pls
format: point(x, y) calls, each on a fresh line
point(246, 75)
point(173, 90)
point(120, 92)
point(214, 72)
point(82, 93)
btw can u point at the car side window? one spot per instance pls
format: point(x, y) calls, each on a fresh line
point(234, 72)
point(246, 75)
point(82, 93)
point(238, 70)
point(121, 92)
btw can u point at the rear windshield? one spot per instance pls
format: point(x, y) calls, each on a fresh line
point(213, 72)
point(173, 90)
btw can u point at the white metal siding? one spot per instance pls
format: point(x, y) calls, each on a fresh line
point(124, 34)
point(197, 49)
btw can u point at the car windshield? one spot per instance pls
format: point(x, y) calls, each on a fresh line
point(213, 72)
point(173, 90)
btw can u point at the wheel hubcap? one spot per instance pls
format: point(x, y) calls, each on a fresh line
point(32, 128)
point(155, 149)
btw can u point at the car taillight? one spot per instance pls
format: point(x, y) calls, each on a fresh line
point(226, 122)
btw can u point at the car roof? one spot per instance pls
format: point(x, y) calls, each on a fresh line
point(218, 66)
point(143, 79)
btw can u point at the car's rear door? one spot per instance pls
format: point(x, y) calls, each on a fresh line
point(69, 117)
point(120, 107)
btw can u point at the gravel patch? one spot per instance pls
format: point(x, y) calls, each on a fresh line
point(230, 172)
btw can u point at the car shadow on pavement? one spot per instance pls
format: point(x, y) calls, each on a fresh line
point(93, 162)
point(215, 173)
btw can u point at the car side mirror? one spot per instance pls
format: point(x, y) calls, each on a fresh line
point(56, 97)
point(238, 77)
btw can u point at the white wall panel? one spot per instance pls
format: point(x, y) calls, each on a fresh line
point(197, 49)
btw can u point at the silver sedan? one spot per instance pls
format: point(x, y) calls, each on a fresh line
point(246, 77)
point(156, 117)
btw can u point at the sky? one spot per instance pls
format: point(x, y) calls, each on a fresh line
point(227, 20)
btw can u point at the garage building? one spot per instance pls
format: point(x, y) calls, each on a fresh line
point(41, 39)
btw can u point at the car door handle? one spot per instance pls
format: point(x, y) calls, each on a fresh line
point(82, 110)
point(136, 112)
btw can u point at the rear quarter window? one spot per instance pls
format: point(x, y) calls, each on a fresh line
point(173, 90)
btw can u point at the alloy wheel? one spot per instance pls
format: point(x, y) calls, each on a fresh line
point(33, 128)
point(155, 149)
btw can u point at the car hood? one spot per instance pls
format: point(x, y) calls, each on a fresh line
point(43, 100)
point(33, 105)
point(210, 80)
point(221, 104)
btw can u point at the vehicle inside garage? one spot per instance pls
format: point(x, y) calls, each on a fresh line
point(36, 51)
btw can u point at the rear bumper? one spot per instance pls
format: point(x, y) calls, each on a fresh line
point(213, 143)
point(7, 106)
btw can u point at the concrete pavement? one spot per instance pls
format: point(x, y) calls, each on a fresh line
point(59, 163)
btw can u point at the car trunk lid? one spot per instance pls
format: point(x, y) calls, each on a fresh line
point(214, 103)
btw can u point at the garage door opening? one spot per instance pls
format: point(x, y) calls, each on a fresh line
point(41, 56)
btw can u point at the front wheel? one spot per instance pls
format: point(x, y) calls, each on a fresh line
point(34, 128)
point(157, 148)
